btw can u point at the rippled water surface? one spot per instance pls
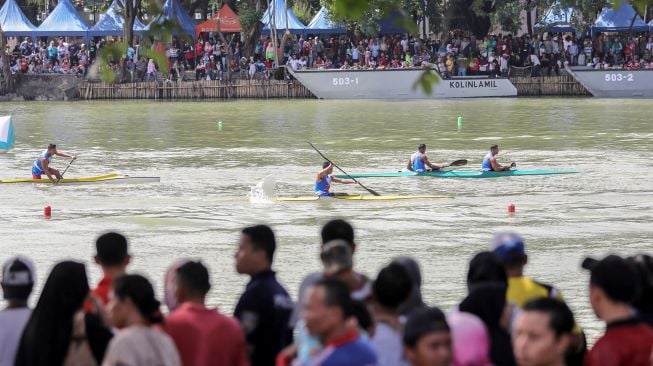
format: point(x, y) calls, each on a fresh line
point(206, 173)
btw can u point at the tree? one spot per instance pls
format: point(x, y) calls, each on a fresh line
point(7, 80)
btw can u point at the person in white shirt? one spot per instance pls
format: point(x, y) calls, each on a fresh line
point(18, 277)
point(134, 310)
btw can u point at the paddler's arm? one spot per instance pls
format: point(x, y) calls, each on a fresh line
point(342, 181)
point(410, 165)
point(498, 167)
point(65, 155)
point(46, 168)
point(323, 173)
point(431, 165)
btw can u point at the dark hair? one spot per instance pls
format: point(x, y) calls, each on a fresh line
point(338, 229)
point(392, 286)
point(111, 249)
point(486, 267)
point(415, 300)
point(337, 294)
point(421, 146)
point(140, 291)
point(325, 164)
point(643, 264)
point(495, 146)
point(422, 322)
point(194, 277)
point(262, 238)
point(49, 330)
point(52, 146)
point(362, 314)
point(562, 319)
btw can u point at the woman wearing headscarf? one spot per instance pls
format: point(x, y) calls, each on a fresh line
point(414, 301)
point(59, 332)
point(487, 300)
point(134, 310)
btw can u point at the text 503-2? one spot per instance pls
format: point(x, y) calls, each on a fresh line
point(619, 77)
point(345, 81)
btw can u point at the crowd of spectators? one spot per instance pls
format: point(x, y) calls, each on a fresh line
point(455, 55)
point(462, 55)
point(340, 318)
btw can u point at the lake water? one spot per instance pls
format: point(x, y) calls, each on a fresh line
point(207, 172)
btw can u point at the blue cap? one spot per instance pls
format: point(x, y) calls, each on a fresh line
point(508, 245)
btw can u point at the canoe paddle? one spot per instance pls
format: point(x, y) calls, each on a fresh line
point(374, 193)
point(65, 170)
point(460, 162)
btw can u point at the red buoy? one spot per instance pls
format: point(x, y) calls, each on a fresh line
point(47, 211)
point(511, 208)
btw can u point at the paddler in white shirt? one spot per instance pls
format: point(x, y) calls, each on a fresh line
point(419, 161)
point(324, 179)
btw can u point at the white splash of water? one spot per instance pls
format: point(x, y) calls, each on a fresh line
point(263, 191)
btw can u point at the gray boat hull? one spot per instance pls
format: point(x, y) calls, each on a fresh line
point(397, 84)
point(617, 83)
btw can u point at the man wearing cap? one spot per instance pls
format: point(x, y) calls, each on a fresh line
point(17, 282)
point(42, 163)
point(627, 340)
point(324, 179)
point(509, 247)
point(419, 161)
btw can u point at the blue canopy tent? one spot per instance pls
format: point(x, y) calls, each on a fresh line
point(556, 20)
point(280, 18)
point(64, 21)
point(13, 22)
point(112, 22)
point(321, 24)
point(172, 10)
point(619, 20)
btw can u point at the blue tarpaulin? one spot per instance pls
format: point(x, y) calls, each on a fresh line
point(112, 22)
point(322, 24)
point(64, 21)
point(13, 22)
point(172, 10)
point(619, 20)
point(556, 20)
point(280, 18)
point(390, 24)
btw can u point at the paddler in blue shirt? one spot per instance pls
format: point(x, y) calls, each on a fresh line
point(490, 161)
point(419, 161)
point(42, 163)
point(324, 179)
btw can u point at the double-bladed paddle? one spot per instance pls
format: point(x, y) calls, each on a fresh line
point(344, 172)
point(65, 170)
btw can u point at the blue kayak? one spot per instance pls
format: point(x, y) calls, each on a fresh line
point(460, 174)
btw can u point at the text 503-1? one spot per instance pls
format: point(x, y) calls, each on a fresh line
point(344, 81)
point(619, 77)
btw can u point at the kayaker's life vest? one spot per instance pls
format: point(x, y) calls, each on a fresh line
point(487, 166)
point(37, 167)
point(418, 164)
point(322, 188)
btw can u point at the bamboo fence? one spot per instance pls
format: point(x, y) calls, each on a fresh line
point(202, 89)
point(563, 85)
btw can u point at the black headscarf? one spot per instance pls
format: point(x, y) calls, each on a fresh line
point(486, 267)
point(487, 300)
point(47, 334)
point(414, 301)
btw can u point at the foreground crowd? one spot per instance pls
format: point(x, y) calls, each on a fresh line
point(340, 318)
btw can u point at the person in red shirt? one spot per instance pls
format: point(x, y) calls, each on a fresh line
point(203, 336)
point(627, 340)
point(113, 257)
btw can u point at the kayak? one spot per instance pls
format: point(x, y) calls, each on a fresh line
point(106, 179)
point(460, 174)
point(358, 197)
